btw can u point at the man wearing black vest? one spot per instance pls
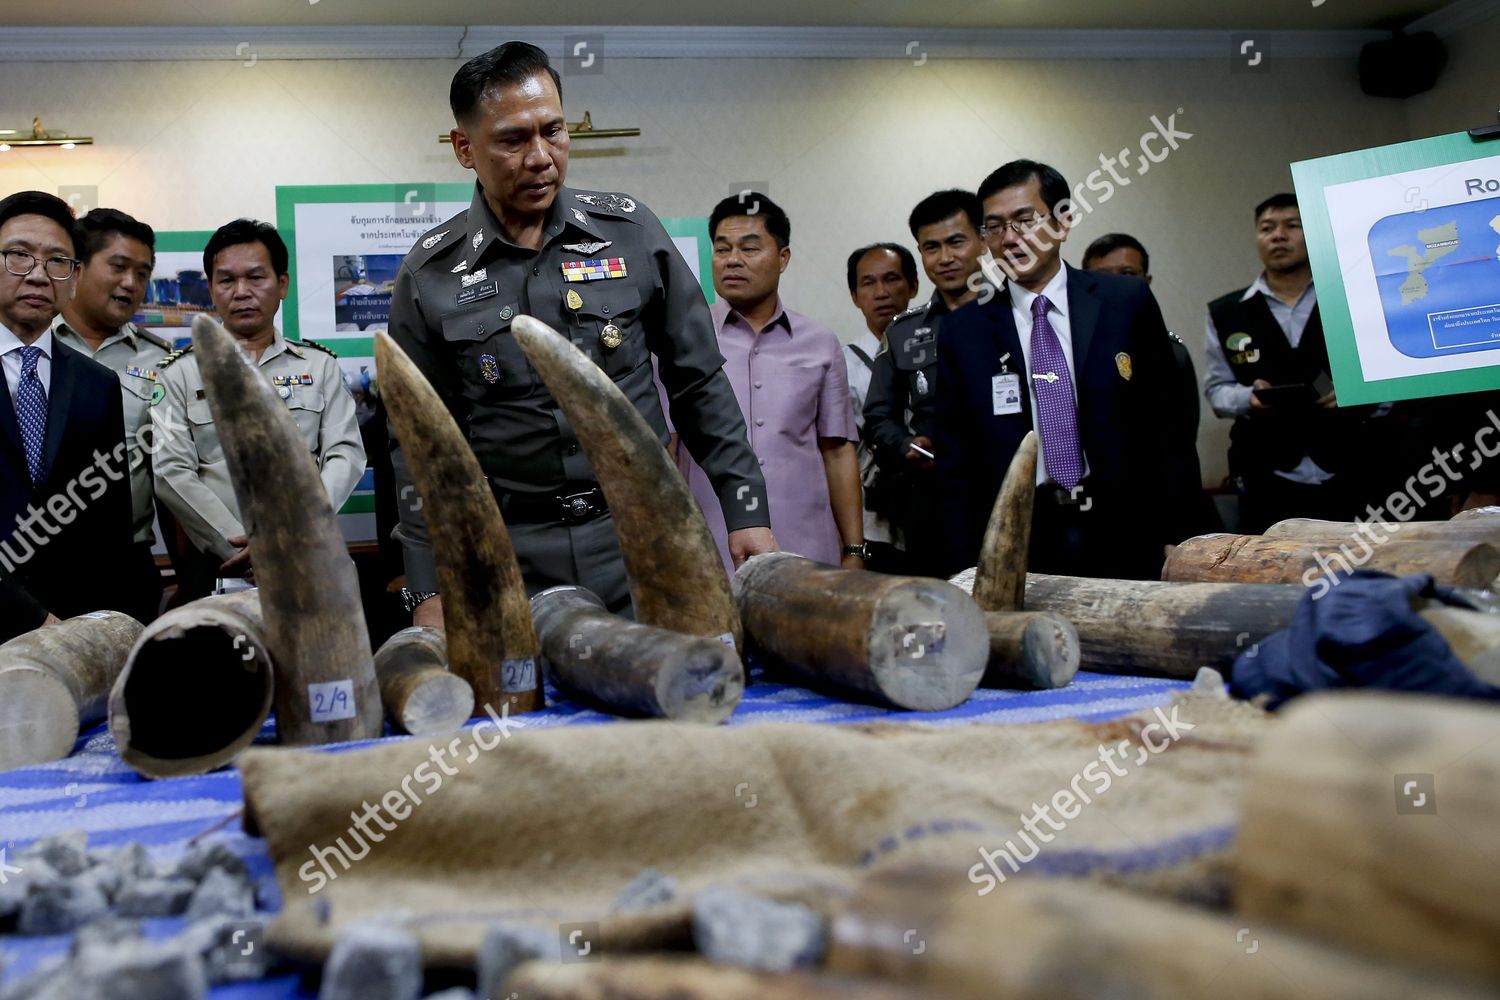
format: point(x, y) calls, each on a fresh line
point(1289, 450)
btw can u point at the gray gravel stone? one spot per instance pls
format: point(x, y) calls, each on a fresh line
point(1209, 681)
point(67, 852)
point(12, 895)
point(58, 907)
point(105, 932)
point(136, 971)
point(372, 961)
point(132, 861)
point(106, 879)
point(50, 980)
point(201, 858)
point(17, 887)
point(737, 928)
point(649, 888)
point(220, 893)
point(233, 948)
point(154, 897)
point(507, 945)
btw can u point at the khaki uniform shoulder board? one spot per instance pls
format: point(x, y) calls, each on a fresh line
point(167, 361)
point(318, 347)
point(153, 339)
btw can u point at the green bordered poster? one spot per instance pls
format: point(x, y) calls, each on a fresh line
point(1405, 249)
point(347, 243)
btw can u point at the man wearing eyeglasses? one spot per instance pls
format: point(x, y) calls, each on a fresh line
point(65, 494)
point(1082, 358)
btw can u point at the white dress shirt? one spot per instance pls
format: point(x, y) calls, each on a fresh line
point(10, 359)
point(1058, 314)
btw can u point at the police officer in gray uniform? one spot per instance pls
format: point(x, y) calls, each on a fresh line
point(901, 406)
point(599, 268)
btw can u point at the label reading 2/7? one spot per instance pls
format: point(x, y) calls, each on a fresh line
point(518, 675)
point(331, 701)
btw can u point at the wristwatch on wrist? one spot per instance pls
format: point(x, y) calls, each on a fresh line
point(411, 598)
point(862, 550)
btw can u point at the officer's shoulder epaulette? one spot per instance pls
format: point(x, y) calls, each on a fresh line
point(438, 240)
point(318, 347)
point(610, 204)
point(153, 339)
point(167, 361)
point(913, 311)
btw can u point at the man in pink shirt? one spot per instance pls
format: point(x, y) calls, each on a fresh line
point(789, 376)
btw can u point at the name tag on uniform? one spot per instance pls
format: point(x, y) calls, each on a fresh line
point(1005, 394)
point(476, 292)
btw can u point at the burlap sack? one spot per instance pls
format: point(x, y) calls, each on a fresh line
point(550, 825)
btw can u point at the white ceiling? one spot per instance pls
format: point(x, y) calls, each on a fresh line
point(1055, 14)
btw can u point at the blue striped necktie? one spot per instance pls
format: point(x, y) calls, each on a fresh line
point(31, 411)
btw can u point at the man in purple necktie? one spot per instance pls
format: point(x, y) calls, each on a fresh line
point(1082, 358)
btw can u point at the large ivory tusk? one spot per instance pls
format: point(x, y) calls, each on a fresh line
point(677, 580)
point(309, 594)
point(1223, 558)
point(196, 688)
point(913, 642)
point(1028, 649)
point(1166, 629)
point(1031, 649)
point(420, 695)
point(633, 668)
point(487, 620)
point(55, 680)
point(1336, 533)
point(1000, 577)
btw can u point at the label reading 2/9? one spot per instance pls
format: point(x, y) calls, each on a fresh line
point(332, 701)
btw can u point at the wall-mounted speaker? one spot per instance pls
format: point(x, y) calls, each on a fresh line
point(1402, 66)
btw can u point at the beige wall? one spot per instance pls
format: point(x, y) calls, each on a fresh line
point(847, 146)
point(1468, 92)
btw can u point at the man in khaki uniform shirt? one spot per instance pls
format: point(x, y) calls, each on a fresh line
point(246, 266)
point(118, 253)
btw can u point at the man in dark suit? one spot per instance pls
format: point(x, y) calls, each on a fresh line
point(65, 529)
point(1084, 359)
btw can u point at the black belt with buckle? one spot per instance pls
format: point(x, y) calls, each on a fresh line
point(550, 508)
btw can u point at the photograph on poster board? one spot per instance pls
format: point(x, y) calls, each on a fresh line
point(177, 295)
point(362, 291)
point(1419, 253)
